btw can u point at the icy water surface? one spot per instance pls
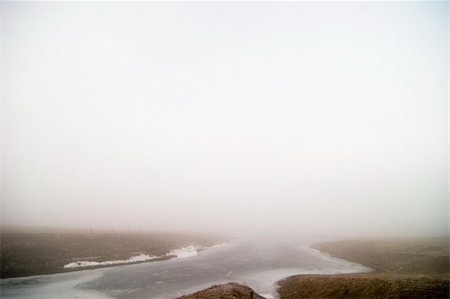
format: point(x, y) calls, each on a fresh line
point(256, 264)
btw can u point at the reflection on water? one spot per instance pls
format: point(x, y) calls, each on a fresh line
point(256, 264)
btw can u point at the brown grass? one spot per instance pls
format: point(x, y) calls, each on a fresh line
point(414, 268)
point(225, 291)
point(418, 256)
point(375, 285)
point(24, 253)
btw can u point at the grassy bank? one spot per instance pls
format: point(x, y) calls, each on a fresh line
point(225, 291)
point(414, 268)
point(34, 252)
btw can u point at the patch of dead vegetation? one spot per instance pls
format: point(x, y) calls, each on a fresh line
point(363, 286)
point(225, 291)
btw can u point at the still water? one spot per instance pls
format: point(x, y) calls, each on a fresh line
point(258, 265)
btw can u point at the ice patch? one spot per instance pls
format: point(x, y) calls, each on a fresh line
point(219, 245)
point(184, 252)
point(133, 259)
point(348, 265)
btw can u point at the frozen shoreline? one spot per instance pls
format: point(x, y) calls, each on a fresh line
point(182, 252)
point(265, 283)
point(256, 265)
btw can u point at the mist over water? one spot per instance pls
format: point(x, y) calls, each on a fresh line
point(252, 119)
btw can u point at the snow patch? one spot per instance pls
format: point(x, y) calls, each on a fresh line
point(184, 252)
point(133, 259)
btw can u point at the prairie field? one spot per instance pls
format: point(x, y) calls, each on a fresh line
point(40, 251)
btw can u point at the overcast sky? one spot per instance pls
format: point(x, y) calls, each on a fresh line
point(327, 118)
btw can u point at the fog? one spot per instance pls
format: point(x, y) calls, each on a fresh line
point(325, 118)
